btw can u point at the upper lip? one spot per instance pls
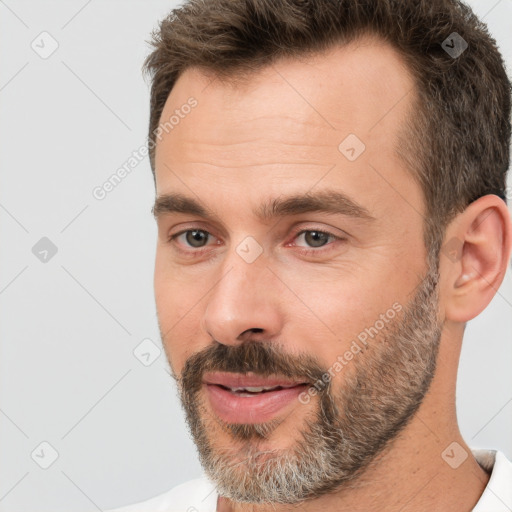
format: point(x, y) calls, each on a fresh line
point(238, 380)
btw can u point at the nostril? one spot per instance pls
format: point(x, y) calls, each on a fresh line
point(253, 330)
point(252, 334)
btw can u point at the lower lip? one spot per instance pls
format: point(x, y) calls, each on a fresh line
point(258, 408)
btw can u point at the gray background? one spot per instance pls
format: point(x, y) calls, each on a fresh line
point(69, 326)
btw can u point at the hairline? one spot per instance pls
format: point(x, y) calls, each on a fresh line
point(407, 135)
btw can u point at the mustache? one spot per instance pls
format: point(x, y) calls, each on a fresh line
point(263, 358)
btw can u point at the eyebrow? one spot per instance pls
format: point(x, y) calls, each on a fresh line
point(327, 201)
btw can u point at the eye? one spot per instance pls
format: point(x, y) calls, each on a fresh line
point(314, 238)
point(310, 241)
point(195, 238)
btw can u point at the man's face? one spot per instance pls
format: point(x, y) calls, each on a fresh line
point(301, 262)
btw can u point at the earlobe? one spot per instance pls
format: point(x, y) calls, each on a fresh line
point(475, 271)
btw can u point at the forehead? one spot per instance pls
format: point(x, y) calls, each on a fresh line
point(287, 121)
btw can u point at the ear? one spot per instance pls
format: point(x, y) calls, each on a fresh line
point(474, 257)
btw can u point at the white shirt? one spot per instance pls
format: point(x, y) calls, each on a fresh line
point(199, 495)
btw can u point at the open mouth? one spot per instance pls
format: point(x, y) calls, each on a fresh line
point(257, 390)
point(242, 398)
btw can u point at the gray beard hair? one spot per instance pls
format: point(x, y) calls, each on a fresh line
point(381, 390)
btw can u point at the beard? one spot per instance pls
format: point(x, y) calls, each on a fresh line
point(346, 427)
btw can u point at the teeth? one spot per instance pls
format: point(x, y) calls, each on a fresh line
point(255, 389)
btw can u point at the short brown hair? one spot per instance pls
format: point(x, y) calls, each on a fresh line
point(457, 143)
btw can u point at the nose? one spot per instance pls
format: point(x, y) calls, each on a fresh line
point(244, 304)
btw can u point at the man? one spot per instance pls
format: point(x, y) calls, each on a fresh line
point(330, 180)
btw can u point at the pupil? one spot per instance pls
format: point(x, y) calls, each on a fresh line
point(196, 238)
point(316, 238)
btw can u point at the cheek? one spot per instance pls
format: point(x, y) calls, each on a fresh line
point(173, 320)
point(333, 308)
point(179, 331)
point(180, 302)
point(171, 291)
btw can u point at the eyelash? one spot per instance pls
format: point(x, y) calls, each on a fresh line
point(305, 251)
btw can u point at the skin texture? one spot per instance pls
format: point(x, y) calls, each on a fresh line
point(278, 134)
